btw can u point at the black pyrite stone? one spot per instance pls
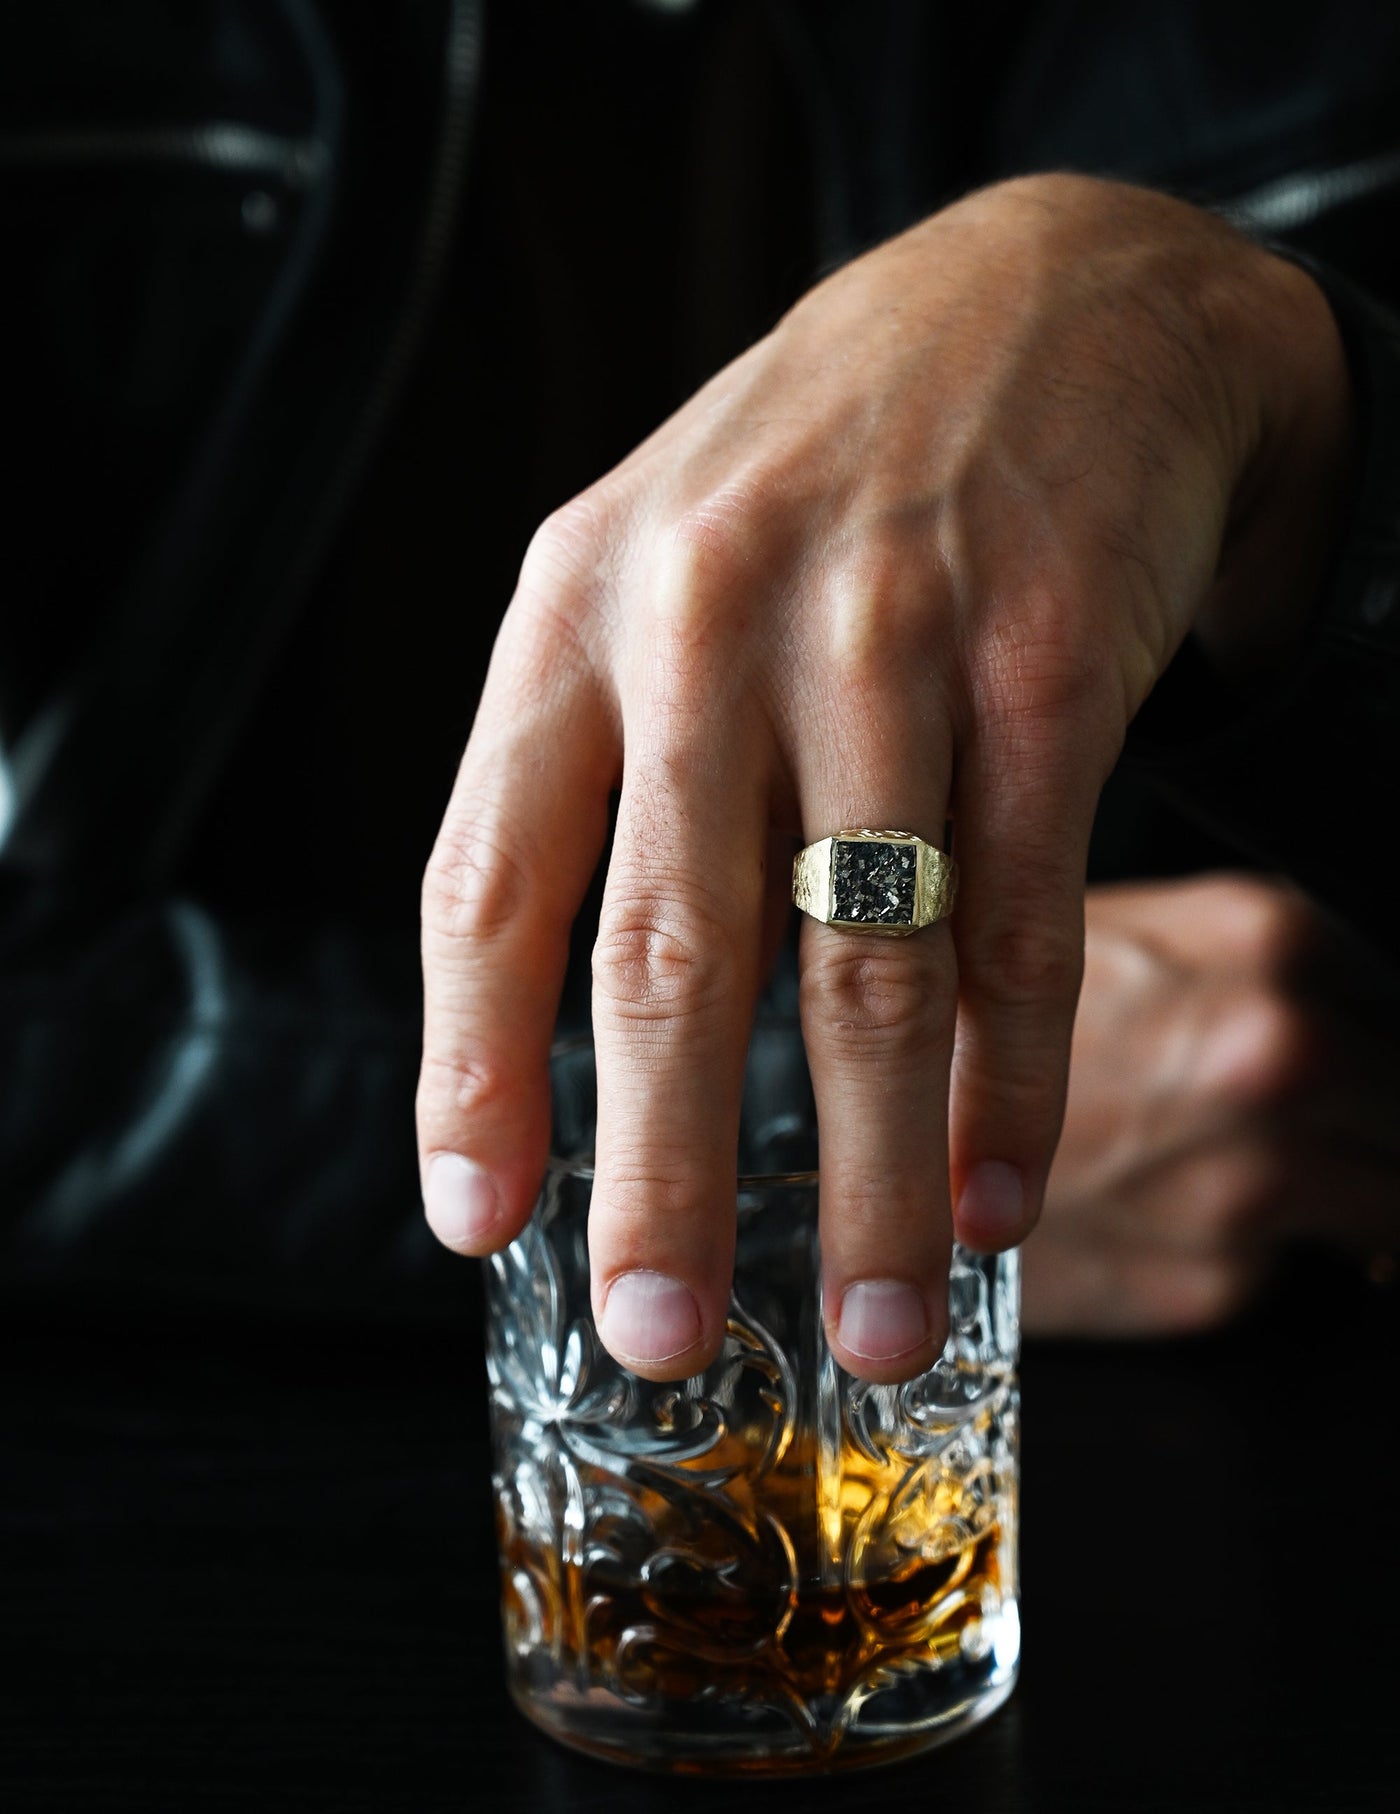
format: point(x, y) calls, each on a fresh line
point(874, 883)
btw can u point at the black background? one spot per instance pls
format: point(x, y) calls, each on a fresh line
point(244, 1569)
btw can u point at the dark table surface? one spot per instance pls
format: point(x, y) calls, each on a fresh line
point(252, 1567)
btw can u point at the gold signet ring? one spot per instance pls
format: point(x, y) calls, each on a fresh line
point(874, 881)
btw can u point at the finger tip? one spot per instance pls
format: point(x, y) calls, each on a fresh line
point(669, 1371)
point(653, 1325)
point(891, 1371)
point(464, 1206)
point(886, 1330)
point(994, 1208)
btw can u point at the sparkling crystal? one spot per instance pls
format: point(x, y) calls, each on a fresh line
point(873, 882)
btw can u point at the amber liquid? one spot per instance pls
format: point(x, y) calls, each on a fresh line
point(806, 1588)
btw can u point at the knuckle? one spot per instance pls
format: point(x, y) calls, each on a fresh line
point(1041, 690)
point(476, 884)
point(561, 592)
point(717, 543)
point(643, 1196)
point(458, 1089)
point(1016, 1092)
point(698, 625)
point(866, 648)
point(869, 991)
point(1034, 661)
point(659, 956)
point(1023, 966)
point(571, 546)
point(1273, 923)
point(1266, 1056)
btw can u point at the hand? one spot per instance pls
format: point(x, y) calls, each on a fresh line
point(1232, 1088)
point(919, 553)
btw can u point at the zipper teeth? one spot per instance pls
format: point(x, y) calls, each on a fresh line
point(218, 145)
point(461, 73)
point(1293, 201)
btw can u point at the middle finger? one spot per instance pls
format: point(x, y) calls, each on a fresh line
point(877, 1019)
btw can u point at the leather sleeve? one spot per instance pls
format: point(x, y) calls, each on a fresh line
point(196, 1111)
point(1306, 780)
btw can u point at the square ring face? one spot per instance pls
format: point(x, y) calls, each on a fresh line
point(873, 883)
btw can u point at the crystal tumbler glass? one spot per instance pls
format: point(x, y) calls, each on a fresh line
point(770, 1567)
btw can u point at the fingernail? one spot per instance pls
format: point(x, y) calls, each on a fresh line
point(882, 1319)
point(460, 1200)
point(649, 1317)
point(992, 1207)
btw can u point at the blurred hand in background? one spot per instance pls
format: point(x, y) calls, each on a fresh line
point(1233, 1086)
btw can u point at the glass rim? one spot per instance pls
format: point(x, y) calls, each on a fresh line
point(558, 1166)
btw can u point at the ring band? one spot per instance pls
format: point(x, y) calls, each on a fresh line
point(874, 881)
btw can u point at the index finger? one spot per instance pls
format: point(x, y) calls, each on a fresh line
point(519, 843)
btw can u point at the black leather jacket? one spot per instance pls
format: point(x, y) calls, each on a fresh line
point(292, 369)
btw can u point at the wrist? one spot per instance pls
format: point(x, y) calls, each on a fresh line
point(1295, 405)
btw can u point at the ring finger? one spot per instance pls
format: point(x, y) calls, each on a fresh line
point(877, 1019)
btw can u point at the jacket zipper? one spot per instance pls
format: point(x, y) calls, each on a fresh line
point(460, 75)
point(1289, 202)
point(227, 145)
point(312, 162)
